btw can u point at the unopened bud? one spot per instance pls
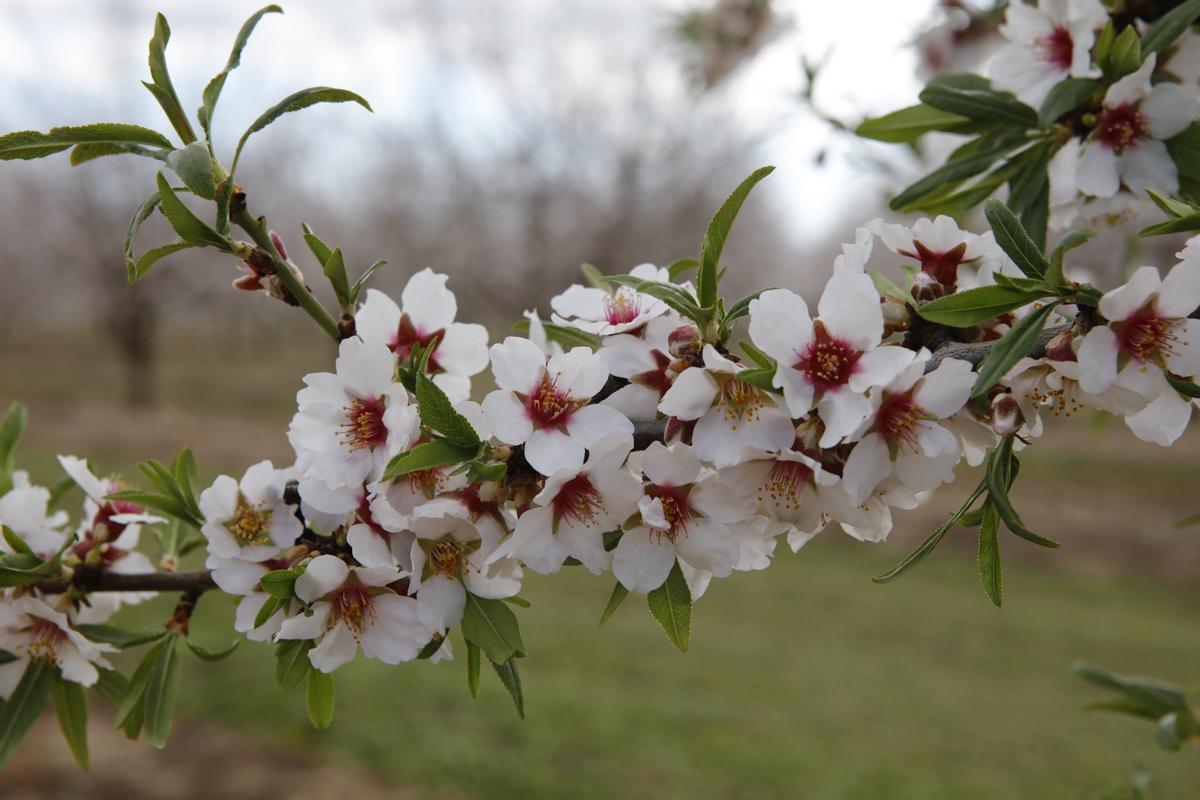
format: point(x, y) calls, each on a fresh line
point(1061, 348)
point(808, 435)
point(278, 242)
point(685, 342)
point(1006, 414)
point(895, 315)
point(926, 287)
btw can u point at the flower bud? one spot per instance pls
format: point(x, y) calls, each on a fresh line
point(1060, 348)
point(1006, 414)
point(684, 342)
point(926, 287)
point(895, 315)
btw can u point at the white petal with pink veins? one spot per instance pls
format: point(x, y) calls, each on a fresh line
point(365, 368)
point(323, 575)
point(463, 349)
point(708, 545)
point(879, 367)
point(1098, 360)
point(691, 395)
point(378, 318)
point(590, 424)
point(1121, 303)
point(643, 560)
point(1169, 109)
point(945, 390)
point(1180, 292)
point(850, 310)
point(780, 325)
point(337, 647)
point(427, 301)
point(868, 464)
point(548, 450)
point(518, 364)
point(507, 416)
point(842, 412)
point(1163, 421)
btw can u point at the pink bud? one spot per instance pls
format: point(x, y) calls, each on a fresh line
point(926, 287)
point(275, 240)
point(1006, 414)
point(684, 342)
point(1061, 348)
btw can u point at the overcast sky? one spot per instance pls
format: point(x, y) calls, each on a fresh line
point(67, 61)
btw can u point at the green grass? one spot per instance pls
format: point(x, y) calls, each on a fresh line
point(803, 681)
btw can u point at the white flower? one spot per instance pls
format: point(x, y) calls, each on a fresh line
point(686, 515)
point(1148, 331)
point(29, 628)
point(456, 538)
point(350, 423)
point(351, 607)
point(731, 415)
point(791, 489)
point(249, 520)
point(1126, 148)
point(1046, 43)
point(642, 358)
point(24, 509)
point(543, 404)
point(605, 313)
point(902, 432)
point(426, 316)
point(574, 511)
point(940, 247)
point(830, 362)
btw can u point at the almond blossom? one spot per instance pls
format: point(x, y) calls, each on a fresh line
point(940, 248)
point(425, 317)
point(1046, 44)
point(249, 519)
point(30, 628)
point(604, 313)
point(543, 403)
point(25, 510)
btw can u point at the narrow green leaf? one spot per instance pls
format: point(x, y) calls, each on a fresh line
point(511, 679)
point(1184, 387)
point(951, 174)
point(1155, 697)
point(193, 165)
point(359, 284)
point(334, 268)
point(438, 413)
point(154, 255)
point(295, 102)
point(112, 686)
point(680, 267)
point(162, 689)
point(132, 707)
point(34, 144)
point(1066, 96)
point(593, 276)
point(16, 543)
point(990, 570)
point(320, 699)
point(1014, 240)
point(191, 229)
point(161, 86)
point(1014, 345)
point(272, 605)
point(909, 124)
point(561, 334)
point(70, 706)
point(473, 668)
point(435, 453)
point(973, 306)
point(742, 307)
point(109, 634)
point(12, 427)
point(7, 657)
point(23, 706)
point(619, 593)
point(1167, 28)
point(717, 233)
point(431, 647)
point(999, 470)
point(927, 546)
point(671, 605)
point(1054, 273)
point(493, 626)
point(205, 654)
point(291, 662)
point(1178, 225)
point(986, 106)
point(212, 92)
point(139, 218)
point(281, 583)
point(1124, 56)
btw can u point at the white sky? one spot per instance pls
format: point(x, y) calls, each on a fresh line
point(76, 61)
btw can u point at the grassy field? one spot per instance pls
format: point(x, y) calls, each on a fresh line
point(803, 681)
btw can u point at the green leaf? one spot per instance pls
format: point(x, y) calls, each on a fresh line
point(185, 470)
point(762, 377)
point(320, 699)
point(671, 605)
point(357, 288)
point(1066, 95)
point(70, 706)
point(1184, 387)
point(1030, 179)
point(1154, 698)
point(109, 634)
point(23, 706)
point(130, 712)
point(281, 583)
point(23, 569)
point(619, 593)
point(431, 647)
point(34, 144)
point(982, 105)
point(438, 413)
point(677, 297)
point(1175, 208)
point(12, 427)
point(15, 542)
point(160, 86)
point(973, 306)
point(493, 626)
point(7, 657)
point(291, 662)
point(334, 268)
point(193, 165)
point(321, 251)
point(1178, 225)
point(927, 546)
point(511, 679)
point(154, 255)
point(717, 233)
point(1014, 345)
point(561, 334)
point(191, 229)
point(112, 686)
point(999, 471)
point(757, 356)
point(473, 668)
point(1167, 28)
point(680, 267)
point(593, 276)
point(742, 307)
point(295, 102)
point(990, 571)
point(1014, 240)
point(90, 151)
point(909, 124)
point(1035, 216)
point(953, 172)
point(212, 92)
point(435, 453)
point(1185, 152)
point(139, 218)
point(205, 654)
point(162, 688)
point(1054, 273)
point(159, 502)
point(1123, 56)
point(272, 605)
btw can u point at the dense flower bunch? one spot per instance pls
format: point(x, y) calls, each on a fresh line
point(649, 429)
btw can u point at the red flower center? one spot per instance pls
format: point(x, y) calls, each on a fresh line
point(1146, 335)
point(657, 378)
point(897, 419)
point(785, 483)
point(622, 307)
point(827, 362)
point(676, 507)
point(44, 639)
point(1121, 127)
point(550, 407)
point(409, 336)
point(578, 501)
point(364, 424)
point(1057, 48)
point(942, 266)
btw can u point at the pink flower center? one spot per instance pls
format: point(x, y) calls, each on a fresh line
point(44, 639)
point(942, 266)
point(897, 420)
point(740, 402)
point(785, 483)
point(657, 378)
point(676, 507)
point(1121, 127)
point(549, 406)
point(1057, 48)
point(409, 336)
point(578, 501)
point(622, 307)
point(353, 606)
point(827, 362)
point(1146, 335)
point(364, 424)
